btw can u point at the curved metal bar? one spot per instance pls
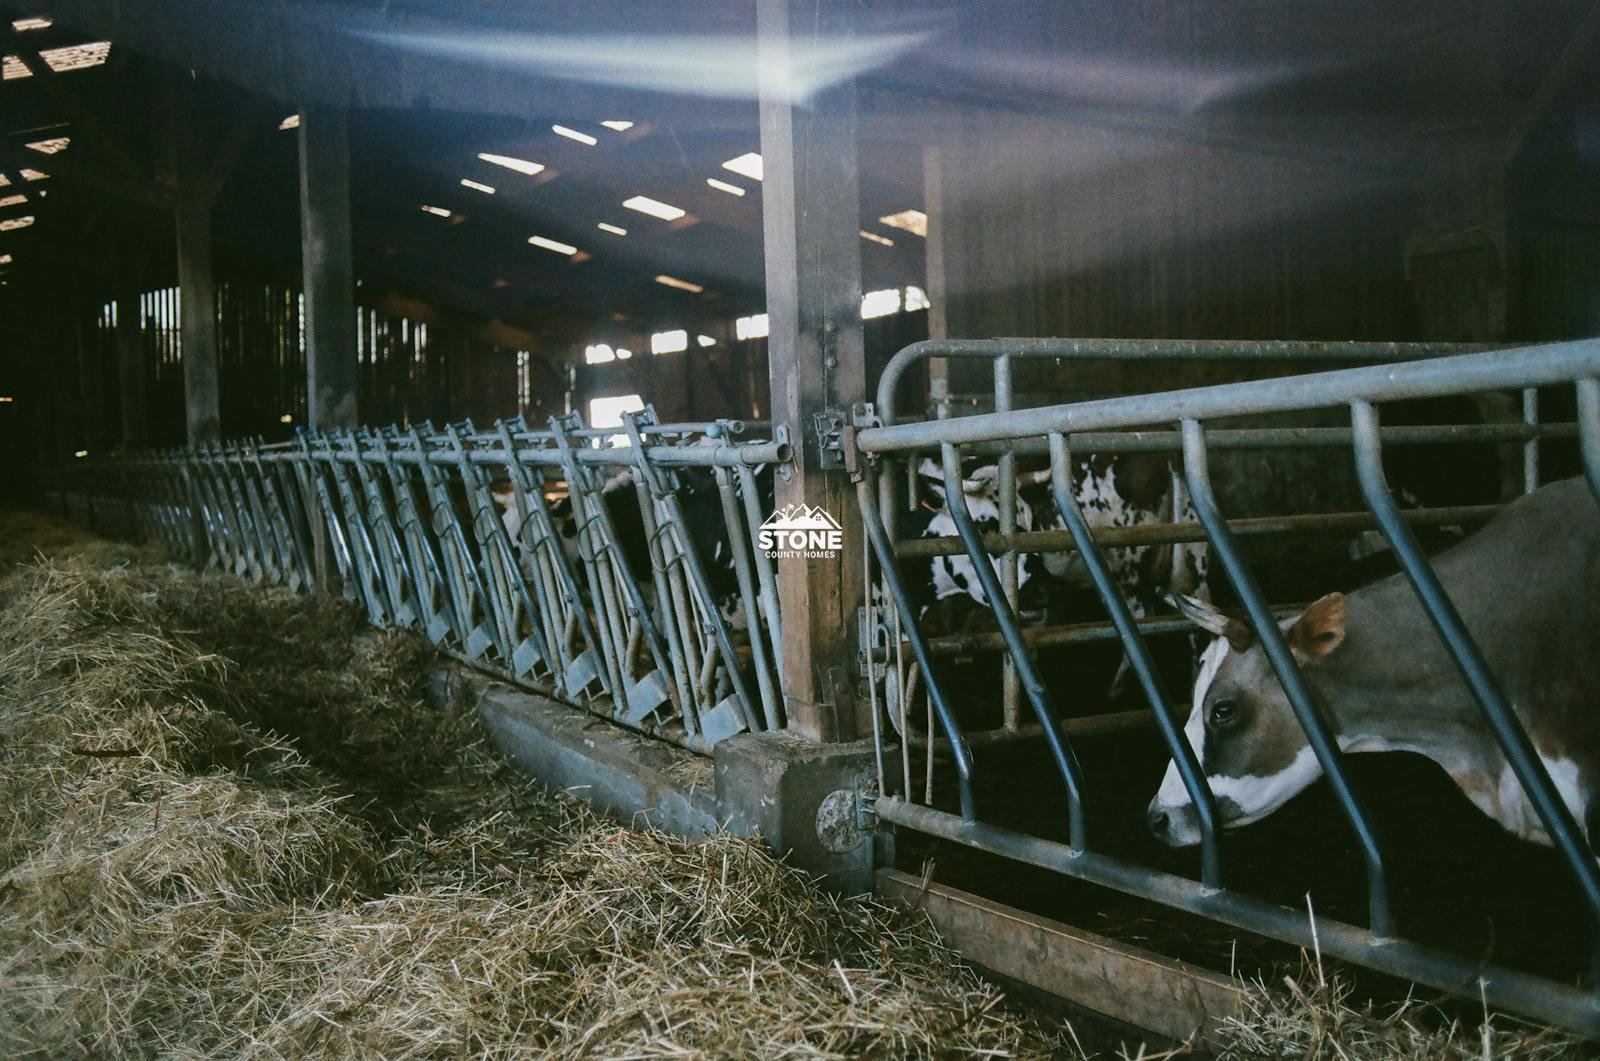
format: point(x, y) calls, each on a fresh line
point(1144, 667)
point(960, 753)
point(1508, 732)
point(1320, 737)
point(1149, 350)
point(1033, 686)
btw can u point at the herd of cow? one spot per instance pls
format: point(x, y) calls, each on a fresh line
point(1527, 586)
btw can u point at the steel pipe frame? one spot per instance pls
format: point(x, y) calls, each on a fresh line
point(1579, 363)
point(1510, 989)
point(1563, 830)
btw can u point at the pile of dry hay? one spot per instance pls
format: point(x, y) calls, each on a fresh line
point(228, 824)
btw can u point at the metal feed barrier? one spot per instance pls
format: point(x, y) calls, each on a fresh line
point(883, 452)
point(409, 528)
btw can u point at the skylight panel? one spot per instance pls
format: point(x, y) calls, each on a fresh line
point(681, 285)
point(705, 341)
point(291, 122)
point(553, 245)
point(573, 134)
point(520, 165)
point(54, 145)
point(752, 327)
point(617, 125)
point(477, 186)
point(11, 69)
point(912, 221)
point(5, 259)
point(873, 237)
point(33, 174)
point(23, 25)
point(436, 211)
point(11, 224)
point(724, 186)
point(669, 342)
point(655, 208)
point(748, 165)
point(613, 229)
point(76, 56)
point(12, 200)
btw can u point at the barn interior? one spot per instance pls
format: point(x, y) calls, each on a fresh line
point(482, 210)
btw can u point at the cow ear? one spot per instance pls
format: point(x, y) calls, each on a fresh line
point(1213, 620)
point(1320, 628)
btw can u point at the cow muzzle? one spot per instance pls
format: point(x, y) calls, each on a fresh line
point(1174, 824)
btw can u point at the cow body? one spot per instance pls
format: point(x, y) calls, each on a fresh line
point(1528, 588)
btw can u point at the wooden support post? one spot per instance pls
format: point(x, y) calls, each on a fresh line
point(197, 293)
point(130, 363)
point(811, 220)
point(327, 266)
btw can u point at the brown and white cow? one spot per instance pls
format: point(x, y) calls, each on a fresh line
point(1528, 588)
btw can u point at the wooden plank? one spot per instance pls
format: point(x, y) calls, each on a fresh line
point(1137, 986)
point(327, 265)
point(811, 223)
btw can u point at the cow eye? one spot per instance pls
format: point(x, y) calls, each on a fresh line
point(1224, 711)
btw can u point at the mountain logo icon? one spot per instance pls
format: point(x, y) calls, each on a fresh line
point(801, 531)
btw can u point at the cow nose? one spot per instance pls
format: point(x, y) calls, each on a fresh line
point(1158, 821)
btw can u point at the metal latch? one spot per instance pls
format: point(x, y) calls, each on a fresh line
point(829, 425)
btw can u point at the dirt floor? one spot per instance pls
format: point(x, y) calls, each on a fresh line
point(230, 824)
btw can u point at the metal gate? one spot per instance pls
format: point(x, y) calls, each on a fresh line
point(885, 451)
point(571, 559)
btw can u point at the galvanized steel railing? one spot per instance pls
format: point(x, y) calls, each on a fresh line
point(1175, 421)
point(538, 588)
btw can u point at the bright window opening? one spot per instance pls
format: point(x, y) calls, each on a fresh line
point(654, 207)
point(623, 353)
point(745, 165)
point(436, 211)
point(916, 299)
point(573, 134)
point(753, 327)
point(598, 354)
point(912, 221)
point(873, 237)
point(615, 230)
point(669, 342)
point(724, 186)
point(486, 189)
point(607, 412)
point(705, 340)
point(553, 245)
point(291, 122)
point(880, 303)
point(617, 125)
point(520, 165)
point(681, 285)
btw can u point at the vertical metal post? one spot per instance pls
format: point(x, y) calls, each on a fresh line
point(1530, 448)
point(1563, 830)
point(1323, 744)
point(1044, 707)
point(811, 223)
point(1589, 432)
point(327, 266)
point(1010, 698)
point(1144, 667)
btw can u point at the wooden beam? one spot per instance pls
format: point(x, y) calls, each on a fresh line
point(327, 268)
point(811, 220)
point(1576, 59)
point(1175, 1000)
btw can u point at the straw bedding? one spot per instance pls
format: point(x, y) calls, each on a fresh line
point(231, 824)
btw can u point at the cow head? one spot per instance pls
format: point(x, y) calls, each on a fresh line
point(1242, 729)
